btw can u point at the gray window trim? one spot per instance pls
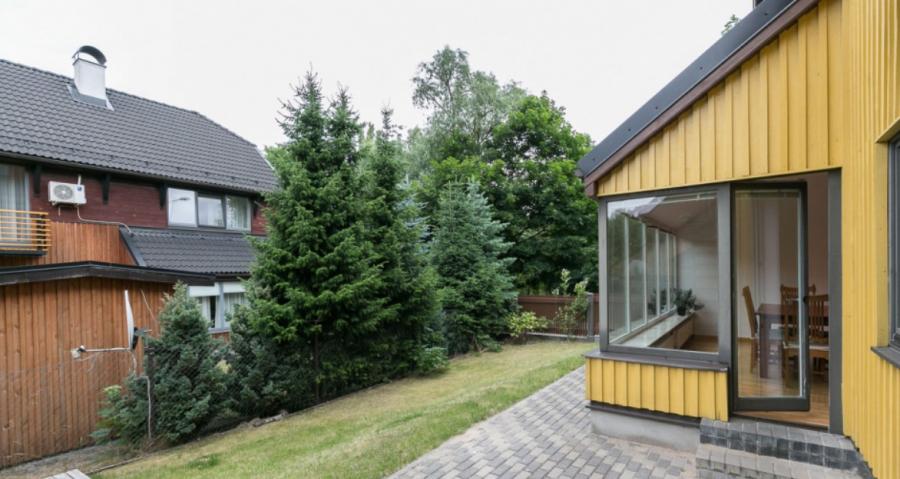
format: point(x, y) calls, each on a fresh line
point(723, 206)
point(894, 242)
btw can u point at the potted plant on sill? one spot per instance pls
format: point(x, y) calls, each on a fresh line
point(685, 302)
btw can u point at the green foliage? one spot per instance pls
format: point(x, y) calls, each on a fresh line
point(395, 228)
point(568, 316)
point(524, 322)
point(522, 151)
point(432, 360)
point(474, 285)
point(732, 21)
point(121, 417)
point(188, 385)
point(686, 301)
point(340, 295)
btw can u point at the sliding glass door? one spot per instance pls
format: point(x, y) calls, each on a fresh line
point(770, 331)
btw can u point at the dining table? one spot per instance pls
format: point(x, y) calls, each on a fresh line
point(770, 318)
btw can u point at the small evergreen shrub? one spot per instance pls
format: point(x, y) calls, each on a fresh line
point(524, 322)
point(432, 360)
point(188, 383)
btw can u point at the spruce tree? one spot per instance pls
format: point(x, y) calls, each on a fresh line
point(314, 289)
point(396, 231)
point(474, 284)
point(188, 385)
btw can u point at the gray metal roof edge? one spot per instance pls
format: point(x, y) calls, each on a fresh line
point(81, 269)
point(703, 66)
point(127, 235)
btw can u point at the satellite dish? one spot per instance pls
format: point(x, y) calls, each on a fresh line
point(129, 322)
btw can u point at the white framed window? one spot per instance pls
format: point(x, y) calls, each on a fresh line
point(218, 301)
point(209, 210)
point(182, 207)
point(238, 211)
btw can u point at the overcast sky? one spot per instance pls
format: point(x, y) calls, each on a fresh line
point(234, 60)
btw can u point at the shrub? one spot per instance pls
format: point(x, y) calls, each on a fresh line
point(432, 360)
point(524, 322)
point(568, 316)
point(188, 384)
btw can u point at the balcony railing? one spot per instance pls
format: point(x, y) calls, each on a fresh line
point(24, 232)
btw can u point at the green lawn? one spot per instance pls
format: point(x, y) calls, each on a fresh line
point(374, 432)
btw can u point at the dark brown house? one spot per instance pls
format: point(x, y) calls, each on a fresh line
point(101, 192)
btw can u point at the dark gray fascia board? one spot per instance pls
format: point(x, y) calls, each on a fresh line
point(85, 269)
point(127, 236)
point(699, 69)
point(657, 360)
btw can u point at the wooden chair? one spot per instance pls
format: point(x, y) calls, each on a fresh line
point(754, 327)
point(790, 293)
point(818, 335)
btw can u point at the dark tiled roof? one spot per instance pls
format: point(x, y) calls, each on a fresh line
point(40, 118)
point(213, 252)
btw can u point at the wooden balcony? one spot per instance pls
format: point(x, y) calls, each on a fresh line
point(24, 232)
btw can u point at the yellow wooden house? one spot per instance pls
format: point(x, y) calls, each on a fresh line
point(749, 243)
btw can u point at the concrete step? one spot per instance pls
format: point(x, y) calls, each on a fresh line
point(794, 444)
point(715, 462)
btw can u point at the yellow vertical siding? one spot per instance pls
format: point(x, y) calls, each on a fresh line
point(772, 116)
point(820, 96)
point(672, 390)
point(872, 74)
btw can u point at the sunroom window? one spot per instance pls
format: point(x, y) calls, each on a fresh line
point(658, 248)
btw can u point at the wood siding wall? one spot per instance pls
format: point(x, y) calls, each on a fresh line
point(685, 392)
point(772, 116)
point(871, 386)
point(48, 400)
point(74, 242)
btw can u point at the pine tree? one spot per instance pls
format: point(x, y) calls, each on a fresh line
point(474, 284)
point(408, 285)
point(188, 385)
point(314, 289)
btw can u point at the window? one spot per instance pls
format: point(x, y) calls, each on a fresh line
point(238, 213)
point(894, 209)
point(12, 188)
point(182, 207)
point(218, 301)
point(189, 208)
point(656, 245)
point(209, 211)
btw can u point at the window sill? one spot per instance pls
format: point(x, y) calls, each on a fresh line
point(890, 354)
point(657, 360)
point(219, 330)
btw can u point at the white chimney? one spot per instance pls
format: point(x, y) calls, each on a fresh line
point(90, 72)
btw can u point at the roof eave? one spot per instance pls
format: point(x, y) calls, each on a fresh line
point(750, 35)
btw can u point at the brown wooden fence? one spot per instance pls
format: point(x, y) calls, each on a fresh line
point(548, 306)
point(48, 399)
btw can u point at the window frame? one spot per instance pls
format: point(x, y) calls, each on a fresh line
point(223, 201)
point(723, 226)
point(169, 208)
point(894, 242)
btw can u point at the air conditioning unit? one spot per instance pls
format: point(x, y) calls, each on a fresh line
point(66, 193)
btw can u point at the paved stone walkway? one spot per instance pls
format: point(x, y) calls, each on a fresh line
point(548, 434)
